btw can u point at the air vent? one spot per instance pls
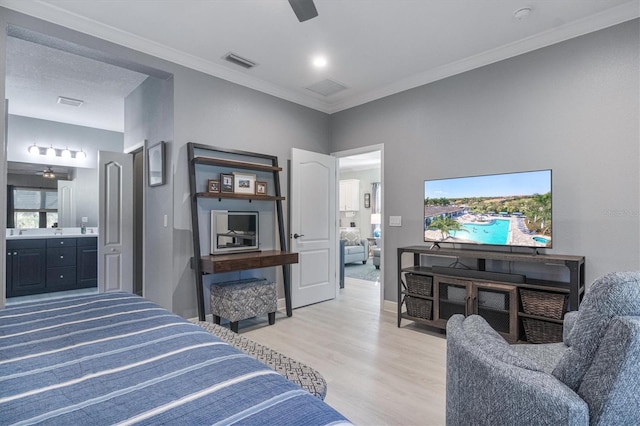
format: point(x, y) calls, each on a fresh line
point(69, 101)
point(239, 60)
point(327, 87)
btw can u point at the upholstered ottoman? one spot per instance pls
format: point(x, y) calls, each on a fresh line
point(376, 257)
point(242, 299)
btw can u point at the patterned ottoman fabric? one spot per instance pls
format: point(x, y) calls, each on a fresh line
point(242, 299)
point(304, 376)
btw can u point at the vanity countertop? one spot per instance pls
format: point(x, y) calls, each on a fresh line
point(50, 233)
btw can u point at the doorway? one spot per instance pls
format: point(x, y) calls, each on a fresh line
point(68, 72)
point(360, 173)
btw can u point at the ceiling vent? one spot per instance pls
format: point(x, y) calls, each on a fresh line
point(239, 60)
point(326, 87)
point(69, 101)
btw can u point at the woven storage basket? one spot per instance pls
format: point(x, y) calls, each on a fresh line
point(419, 284)
point(419, 308)
point(542, 331)
point(544, 304)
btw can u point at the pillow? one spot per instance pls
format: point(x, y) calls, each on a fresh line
point(351, 238)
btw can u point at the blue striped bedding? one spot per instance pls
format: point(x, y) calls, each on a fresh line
point(116, 358)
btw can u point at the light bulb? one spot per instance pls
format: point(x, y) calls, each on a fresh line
point(80, 155)
point(51, 152)
point(34, 150)
point(66, 153)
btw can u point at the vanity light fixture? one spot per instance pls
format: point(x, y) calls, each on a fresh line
point(81, 155)
point(65, 153)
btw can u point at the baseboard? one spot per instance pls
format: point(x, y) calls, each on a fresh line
point(390, 306)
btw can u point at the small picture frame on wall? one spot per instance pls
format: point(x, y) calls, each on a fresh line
point(226, 182)
point(244, 183)
point(213, 185)
point(261, 188)
point(155, 164)
point(367, 200)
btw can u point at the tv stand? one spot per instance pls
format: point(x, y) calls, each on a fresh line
point(431, 294)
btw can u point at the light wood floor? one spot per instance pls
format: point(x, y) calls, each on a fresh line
point(376, 373)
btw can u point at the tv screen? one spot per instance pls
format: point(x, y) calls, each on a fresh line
point(509, 209)
point(242, 222)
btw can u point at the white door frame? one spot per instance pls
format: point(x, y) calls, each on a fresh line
point(364, 150)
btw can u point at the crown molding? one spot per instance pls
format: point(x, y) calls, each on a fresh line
point(56, 15)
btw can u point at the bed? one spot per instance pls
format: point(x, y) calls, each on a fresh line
point(116, 358)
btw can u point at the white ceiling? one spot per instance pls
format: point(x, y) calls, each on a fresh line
point(374, 47)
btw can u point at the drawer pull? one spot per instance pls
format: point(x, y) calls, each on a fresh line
point(61, 242)
point(61, 276)
point(61, 257)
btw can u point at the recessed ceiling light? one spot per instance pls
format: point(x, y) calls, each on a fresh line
point(522, 13)
point(320, 61)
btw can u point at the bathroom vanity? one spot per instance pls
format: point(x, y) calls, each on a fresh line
point(44, 263)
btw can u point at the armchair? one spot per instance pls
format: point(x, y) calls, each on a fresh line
point(588, 379)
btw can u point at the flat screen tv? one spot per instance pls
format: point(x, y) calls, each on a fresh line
point(234, 231)
point(509, 209)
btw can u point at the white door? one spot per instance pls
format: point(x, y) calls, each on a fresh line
point(115, 222)
point(313, 227)
point(67, 204)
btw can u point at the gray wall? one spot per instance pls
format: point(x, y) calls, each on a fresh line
point(25, 131)
point(571, 107)
point(149, 117)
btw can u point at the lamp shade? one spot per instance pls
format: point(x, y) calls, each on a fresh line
point(376, 218)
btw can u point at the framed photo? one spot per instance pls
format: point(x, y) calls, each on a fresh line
point(213, 185)
point(261, 188)
point(244, 183)
point(226, 182)
point(367, 200)
point(155, 164)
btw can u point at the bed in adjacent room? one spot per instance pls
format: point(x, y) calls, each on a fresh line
point(116, 358)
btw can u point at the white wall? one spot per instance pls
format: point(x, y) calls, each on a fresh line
point(572, 107)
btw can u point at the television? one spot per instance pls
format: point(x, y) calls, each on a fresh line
point(234, 231)
point(507, 209)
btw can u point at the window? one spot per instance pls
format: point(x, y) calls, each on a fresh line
point(35, 208)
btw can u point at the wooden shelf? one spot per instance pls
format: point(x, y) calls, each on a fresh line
point(538, 317)
point(242, 261)
point(218, 158)
point(232, 195)
point(236, 164)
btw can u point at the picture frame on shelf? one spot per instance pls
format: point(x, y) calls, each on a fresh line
point(155, 164)
point(261, 188)
point(244, 183)
point(213, 185)
point(367, 200)
point(226, 182)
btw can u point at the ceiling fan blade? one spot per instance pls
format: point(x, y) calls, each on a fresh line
point(304, 9)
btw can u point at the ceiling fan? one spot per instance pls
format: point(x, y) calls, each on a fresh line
point(47, 173)
point(304, 9)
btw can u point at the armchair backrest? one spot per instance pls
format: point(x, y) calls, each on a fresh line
point(610, 386)
point(615, 294)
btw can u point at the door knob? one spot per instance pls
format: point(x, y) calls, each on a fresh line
point(296, 235)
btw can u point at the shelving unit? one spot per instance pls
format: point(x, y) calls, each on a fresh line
point(494, 295)
point(208, 264)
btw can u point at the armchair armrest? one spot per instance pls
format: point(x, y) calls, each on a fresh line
point(365, 243)
point(487, 385)
point(570, 319)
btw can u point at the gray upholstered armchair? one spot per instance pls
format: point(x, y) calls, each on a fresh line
point(589, 379)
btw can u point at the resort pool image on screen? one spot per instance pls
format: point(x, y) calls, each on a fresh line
point(493, 232)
